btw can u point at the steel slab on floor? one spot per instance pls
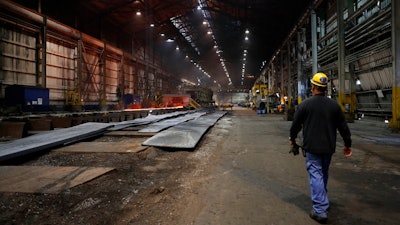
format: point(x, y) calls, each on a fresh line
point(132, 146)
point(46, 179)
point(144, 121)
point(54, 138)
point(164, 124)
point(50, 139)
point(184, 135)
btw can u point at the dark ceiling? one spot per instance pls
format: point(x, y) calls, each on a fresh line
point(268, 21)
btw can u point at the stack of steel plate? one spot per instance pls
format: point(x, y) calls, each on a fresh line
point(146, 120)
point(54, 138)
point(184, 135)
point(164, 124)
point(50, 139)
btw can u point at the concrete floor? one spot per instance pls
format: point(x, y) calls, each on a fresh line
point(254, 180)
point(241, 173)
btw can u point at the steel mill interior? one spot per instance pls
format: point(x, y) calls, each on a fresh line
point(178, 111)
point(113, 55)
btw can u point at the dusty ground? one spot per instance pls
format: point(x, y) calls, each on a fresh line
point(143, 189)
point(240, 173)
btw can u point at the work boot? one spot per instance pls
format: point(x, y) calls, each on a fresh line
point(319, 219)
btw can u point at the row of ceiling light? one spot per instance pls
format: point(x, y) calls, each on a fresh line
point(246, 38)
point(206, 14)
point(178, 24)
point(185, 33)
point(247, 32)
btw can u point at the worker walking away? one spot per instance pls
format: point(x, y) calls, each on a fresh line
point(320, 117)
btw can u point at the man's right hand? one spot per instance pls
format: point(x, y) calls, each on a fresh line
point(294, 148)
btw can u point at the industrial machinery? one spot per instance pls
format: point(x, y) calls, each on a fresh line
point(258, 97)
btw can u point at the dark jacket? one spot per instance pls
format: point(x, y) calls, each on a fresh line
point(320, 117)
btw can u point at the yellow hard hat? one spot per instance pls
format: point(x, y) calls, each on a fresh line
point(320, 79)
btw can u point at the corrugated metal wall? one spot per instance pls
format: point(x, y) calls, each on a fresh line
point(377, 79)
point(18, 58)
point(61, 69)
point(75, 62)
point(368, 55)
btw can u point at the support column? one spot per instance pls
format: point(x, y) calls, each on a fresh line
point(282, 80)
point(269, 78)
point(270, 86)
point(340, 40)
point(314, 42)
point(103, 78)
point(301, 87)
point(395, 121)
point(346, 98)
point(44, 53)
point(289, 68)
point(78, 81)
point(289, 103)
point(41, 55)
point(121, 82)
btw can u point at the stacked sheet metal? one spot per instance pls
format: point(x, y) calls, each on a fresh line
point(54, 138)
point(164, 124)
point(185, 135)
point(146, 120)
point(50, 139)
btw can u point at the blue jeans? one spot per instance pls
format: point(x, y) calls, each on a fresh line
point(318, 168)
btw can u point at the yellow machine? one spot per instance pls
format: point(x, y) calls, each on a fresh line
point(259, 93)
point(72, 98)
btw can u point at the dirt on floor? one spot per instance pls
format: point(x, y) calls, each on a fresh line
point(222, 181)
point(149, 187)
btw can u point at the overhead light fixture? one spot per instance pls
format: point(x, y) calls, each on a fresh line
point(358, 81)
point(138, 13)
